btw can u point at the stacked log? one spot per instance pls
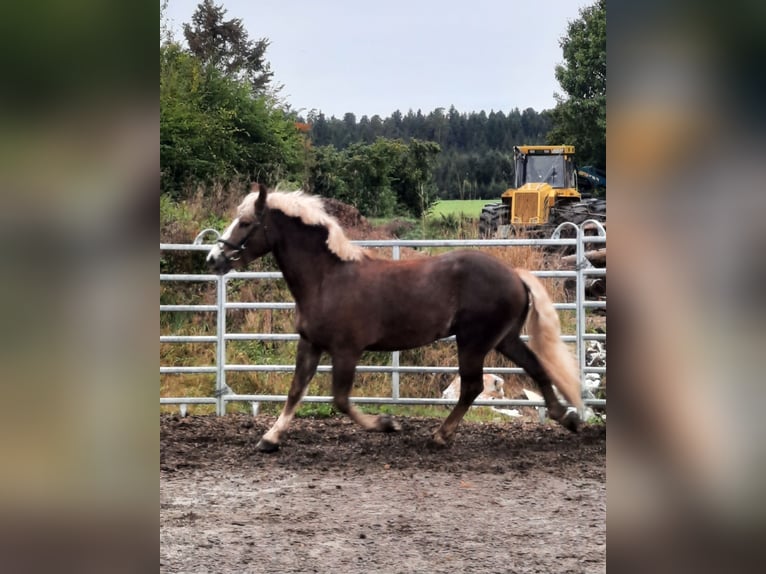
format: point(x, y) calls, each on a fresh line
point(595, 287)
point(597, 257)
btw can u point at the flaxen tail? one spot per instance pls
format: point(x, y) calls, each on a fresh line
point(544, 330)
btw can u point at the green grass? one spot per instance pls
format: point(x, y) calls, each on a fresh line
point(378, 221)
point(468, 207)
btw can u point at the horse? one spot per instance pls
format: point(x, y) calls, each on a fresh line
point(348, 301)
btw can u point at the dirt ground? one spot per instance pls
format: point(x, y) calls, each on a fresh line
point(511, 497)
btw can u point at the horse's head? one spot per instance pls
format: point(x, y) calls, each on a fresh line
point(246, 238)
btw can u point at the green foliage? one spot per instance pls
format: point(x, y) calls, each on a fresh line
point(368, 175)
point(580, 116)
point(413, 176)
point(316, 411)
point(598, 419)
point(381, 179)
point(182, 220)
point(217, 123)
point(476, 148)
point(449, 226)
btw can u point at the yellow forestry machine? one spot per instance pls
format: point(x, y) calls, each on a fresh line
point(544, 195)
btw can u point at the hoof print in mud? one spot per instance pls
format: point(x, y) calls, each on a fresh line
point(266, 446)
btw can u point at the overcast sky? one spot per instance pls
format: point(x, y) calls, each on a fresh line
point(374, 57)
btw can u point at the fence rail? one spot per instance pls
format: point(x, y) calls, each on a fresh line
point(224, 395)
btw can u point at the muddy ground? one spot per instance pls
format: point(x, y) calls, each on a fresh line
point(511, 497)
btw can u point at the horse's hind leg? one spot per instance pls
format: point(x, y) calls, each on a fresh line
point(518, 352)
point(306, 362)
point(471, 367)
point(343, 370)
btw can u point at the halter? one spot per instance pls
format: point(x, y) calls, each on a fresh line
point(238, 249)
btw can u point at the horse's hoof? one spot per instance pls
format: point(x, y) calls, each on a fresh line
point(267, 446)
point(571, 421)
point(437, 441)
point(387, 424)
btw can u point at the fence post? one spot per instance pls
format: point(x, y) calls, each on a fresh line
point(220, 362)
point(580, 314)
point(395, 355)
point(580, 264)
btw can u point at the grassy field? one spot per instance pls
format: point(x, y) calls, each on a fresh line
point(468, 207)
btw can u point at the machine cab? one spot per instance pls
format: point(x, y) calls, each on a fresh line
point(553, 165)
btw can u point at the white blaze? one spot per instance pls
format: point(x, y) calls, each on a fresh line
point(216, 252)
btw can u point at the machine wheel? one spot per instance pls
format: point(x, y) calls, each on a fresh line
point(493, 215)
point(575, 212)
point(579, 211)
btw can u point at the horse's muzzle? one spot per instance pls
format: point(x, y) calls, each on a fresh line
point(217, 261)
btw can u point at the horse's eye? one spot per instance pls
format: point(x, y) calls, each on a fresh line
point(243, 224)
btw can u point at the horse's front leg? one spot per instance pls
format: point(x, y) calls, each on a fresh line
point(343, 370)
point(306, 362)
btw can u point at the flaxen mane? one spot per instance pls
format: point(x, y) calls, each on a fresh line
point(310, 210)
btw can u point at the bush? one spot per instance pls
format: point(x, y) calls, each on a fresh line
point(212, 128)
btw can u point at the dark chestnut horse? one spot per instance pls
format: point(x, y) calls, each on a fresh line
point(348, 301)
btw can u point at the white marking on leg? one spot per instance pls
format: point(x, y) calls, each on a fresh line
point(275, 432)
point(283, 421)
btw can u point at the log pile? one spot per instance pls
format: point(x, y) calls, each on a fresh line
point(595, 287)
point(597, 257)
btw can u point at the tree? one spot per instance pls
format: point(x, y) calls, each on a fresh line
point(217, 123)
point(579, 117)
point(327, 174)
point(225, 45)
point(349, 133)
point(380, 179)
point(213, 129)
point(365, 130)
point(166, 34)
point(393, 125)
point(320, 130)
point(475, 147)
point(413, 176)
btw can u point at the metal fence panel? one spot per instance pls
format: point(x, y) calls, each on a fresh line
point(223, 394)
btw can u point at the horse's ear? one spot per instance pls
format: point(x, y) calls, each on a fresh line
point(260, 203)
